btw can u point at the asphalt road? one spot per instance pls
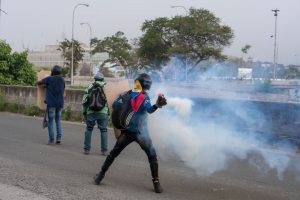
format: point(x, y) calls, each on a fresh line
point(30, 169)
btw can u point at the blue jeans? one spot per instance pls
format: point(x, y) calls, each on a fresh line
point(102, 120)
point(54, 113)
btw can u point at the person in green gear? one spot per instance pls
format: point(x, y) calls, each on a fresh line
point(93, 116)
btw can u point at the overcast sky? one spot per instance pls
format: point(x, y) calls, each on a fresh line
point(34, 23)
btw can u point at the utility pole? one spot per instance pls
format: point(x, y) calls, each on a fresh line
point(275, 44)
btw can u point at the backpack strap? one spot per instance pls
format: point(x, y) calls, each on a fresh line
point(102, 92)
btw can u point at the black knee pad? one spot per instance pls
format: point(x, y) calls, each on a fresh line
point(103, 130)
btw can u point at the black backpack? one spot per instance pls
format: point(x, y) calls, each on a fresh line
point(96, 99)
point(122, 112)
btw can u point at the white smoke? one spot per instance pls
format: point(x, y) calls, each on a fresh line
point(207, 146)
point(182, 106)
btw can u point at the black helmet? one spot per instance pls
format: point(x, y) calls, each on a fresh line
point(145, 81)
point(56, 70)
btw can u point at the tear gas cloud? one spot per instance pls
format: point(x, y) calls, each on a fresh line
point(209, 144)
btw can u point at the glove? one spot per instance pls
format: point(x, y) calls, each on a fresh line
point(161, 101)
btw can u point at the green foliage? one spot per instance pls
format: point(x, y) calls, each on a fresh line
point(31, 110)
point(15, 69)
point(13, 107)
point(66, 114)
point(78, 117)
point(110, 123)
point(195, 37)
point(120, 51)
point(246, 48)
point(66, 48)
point(154, 45)
point(2, 102)
point(116, 46)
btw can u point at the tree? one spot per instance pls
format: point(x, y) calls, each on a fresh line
point(66, 48)
point(245, 49)
point(154, 45)
point(15, 69)
point(195, 37)
point(120, 51)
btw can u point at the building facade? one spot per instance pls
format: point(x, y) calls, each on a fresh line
point(52, 56)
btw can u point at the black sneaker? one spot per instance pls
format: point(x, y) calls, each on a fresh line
point(86, 152)
point(98, 178)
point(157, 186)
point(58, 141)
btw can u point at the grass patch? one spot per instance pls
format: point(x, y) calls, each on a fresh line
point(2, 102)
point(32, 110)
point(66, 114)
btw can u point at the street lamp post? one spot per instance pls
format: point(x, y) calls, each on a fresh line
point(2, 11)
point(186, 11)
point(90, 53)
point(275, 45)
point(186, 14)
point(72, 50)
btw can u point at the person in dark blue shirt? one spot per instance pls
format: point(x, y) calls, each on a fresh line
point(55, 86)
point(137, 129)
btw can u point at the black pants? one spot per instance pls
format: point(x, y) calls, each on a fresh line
point(125, 139)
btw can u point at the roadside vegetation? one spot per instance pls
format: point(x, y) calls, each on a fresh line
point(33, 110)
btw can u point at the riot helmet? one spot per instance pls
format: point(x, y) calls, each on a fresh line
point(145, 81)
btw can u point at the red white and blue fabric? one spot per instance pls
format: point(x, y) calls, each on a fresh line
point(137, 98)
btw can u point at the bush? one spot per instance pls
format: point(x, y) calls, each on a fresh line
point(2, 102)
point(12, 107)
point(78, 117)
point(31, 110)
point(14, 67)
point(66, 114)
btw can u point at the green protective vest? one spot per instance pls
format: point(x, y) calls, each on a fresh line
point(85, 107)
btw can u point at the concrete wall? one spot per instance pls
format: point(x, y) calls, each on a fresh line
point(25, 95)
point(73, 99)
point(22, 95)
